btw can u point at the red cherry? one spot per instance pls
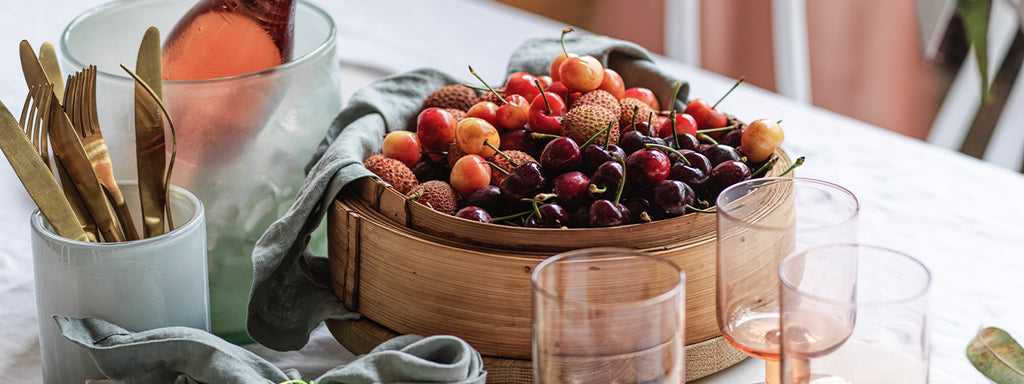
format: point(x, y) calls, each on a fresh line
point(403, 146)
point(559, 89)
point(546, 112)
point(484, 110)
point(684, 124)
point(612, 83)
point(644, 94)
point(545, 81)
point(521, 83)
point(435, 128)
point(514, 113)
point(705, 116)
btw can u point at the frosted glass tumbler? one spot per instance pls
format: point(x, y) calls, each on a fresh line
point(243, 141)
point(139, 285)
point(854, 313)
point(608, 315)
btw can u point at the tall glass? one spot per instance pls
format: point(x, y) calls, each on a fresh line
point(854, 314)
point(139, 285)
point(242, 141)
point(760, 221)
point(608, 315)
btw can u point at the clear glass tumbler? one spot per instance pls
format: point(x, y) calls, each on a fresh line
point(139, 285)
point(760, 221)
point(243, 141)
point(854, 314)
point(608, 315)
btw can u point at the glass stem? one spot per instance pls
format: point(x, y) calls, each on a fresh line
point(771, 372)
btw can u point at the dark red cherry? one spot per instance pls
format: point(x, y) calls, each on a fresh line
point(646, 167)
point(682, 141)
point(594, 155)
point(548, 216)
point(633, 141)
point(525, 180)
point(720, 153)
point(723, 175)
point(520, 139)
point(430, 170)
point(605, 213)
point(638, 206)
point(474, 213)
point(570, 189)
point(672, 197)
point(605, 181)
point(559, 156)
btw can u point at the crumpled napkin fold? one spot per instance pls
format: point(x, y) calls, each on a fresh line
point(188, 355)
point(290, 295)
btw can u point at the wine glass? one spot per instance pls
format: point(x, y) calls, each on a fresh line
point(608, 315)
point(854, 314)
point(759, 222)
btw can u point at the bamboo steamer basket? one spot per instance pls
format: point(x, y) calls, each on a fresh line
point(411, 270)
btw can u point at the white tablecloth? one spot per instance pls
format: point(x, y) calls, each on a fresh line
point(960, 216)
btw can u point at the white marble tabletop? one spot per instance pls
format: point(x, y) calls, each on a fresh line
point(959, 215)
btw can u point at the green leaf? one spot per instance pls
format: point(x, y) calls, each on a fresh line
point(975, 17)
point(997, 355)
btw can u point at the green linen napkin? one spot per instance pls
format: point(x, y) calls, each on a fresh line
point(188, 355)
point(290, 294)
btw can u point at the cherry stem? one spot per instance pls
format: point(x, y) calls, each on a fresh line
point(650, 125)
point(799, 161)
point(727, 93)
point(690, 207)
point(603, 130)
point(675, 137)
point(675, 94)
point(540, 197)
point(564, 32)
point(670, 149)
point(765, 167)
point(503, 102)
point(622, 185)
point(608, 134)
point(594, 189)
point(705, 137)
point(475, 87)
point(498, 151)
point(495, 166)
point(512, 216)
point(543, 96)
point(712, 130)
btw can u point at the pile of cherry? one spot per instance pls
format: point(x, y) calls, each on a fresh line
point(572, 148)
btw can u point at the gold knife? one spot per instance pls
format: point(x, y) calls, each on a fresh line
point(35, 74)
point(149, 134)
point(51, 67)
point(71, 153)
point(37, 180)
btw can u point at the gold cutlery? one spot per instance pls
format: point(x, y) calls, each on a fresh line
point(48, 60)
point(149, 134)
point(35, 75)
point(38, 181)
point(35, 121)
point(82, 112)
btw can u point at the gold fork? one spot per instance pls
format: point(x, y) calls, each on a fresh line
point(86, 123)
point(35, 118)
